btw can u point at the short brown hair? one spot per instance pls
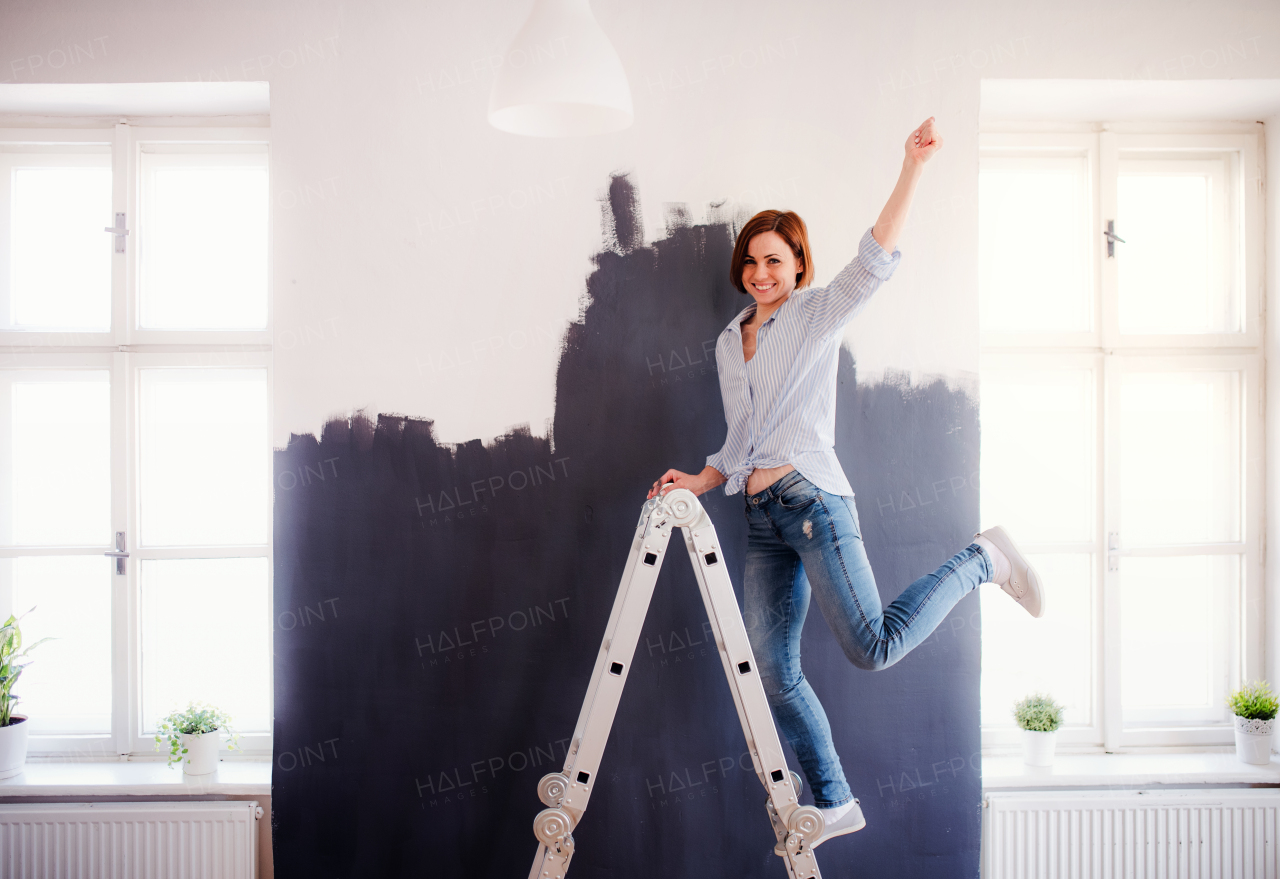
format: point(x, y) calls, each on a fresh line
point(792, 229)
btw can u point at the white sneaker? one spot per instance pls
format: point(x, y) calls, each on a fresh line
point(1023, 583)
point(849, 822)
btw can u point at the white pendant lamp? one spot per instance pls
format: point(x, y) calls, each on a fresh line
point(561, 77)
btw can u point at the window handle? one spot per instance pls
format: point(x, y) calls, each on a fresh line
point(1110, 235)
point(120, 554)
point(119, 231)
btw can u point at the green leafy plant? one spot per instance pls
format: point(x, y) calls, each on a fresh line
point(1038, 713)
point(13, 659)
point(1254, 701)
point(197, 718)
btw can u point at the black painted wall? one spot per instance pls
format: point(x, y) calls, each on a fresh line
point(439, 609)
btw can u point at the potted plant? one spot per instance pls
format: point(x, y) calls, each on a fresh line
point(193, 735)
point(13, 727)
point(1038, 717)
point(1254, 706)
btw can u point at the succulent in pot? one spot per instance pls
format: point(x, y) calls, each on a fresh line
point(1254, 706)
point(1039, 718)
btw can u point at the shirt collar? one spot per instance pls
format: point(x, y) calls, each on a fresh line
point(736, 324)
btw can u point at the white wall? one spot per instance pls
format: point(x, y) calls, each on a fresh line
point(380, 141)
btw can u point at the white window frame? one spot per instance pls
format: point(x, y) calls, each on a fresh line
point(125, 350)
point(1109, 352)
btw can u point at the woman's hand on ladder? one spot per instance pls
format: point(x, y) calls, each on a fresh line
point(708, 479)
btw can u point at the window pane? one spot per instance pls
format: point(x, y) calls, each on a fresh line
point(204, 457)
point(60, 460)
point(205, 638)
point(1033, 245)
point(204, 250)
point(60, 256)
point(1179, 457)
point(1174, 276)
point(1175, 618)
point(1061, 642)
point(67, 687)
point(1038, 453)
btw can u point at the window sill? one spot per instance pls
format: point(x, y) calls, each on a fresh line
point(136, 779)
point(1071, 771)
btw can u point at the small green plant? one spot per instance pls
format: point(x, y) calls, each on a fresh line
point(1254, 701)
point(1038, 713)
point(13, 659)
point(195, 719)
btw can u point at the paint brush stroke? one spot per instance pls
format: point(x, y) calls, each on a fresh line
point(473, 582)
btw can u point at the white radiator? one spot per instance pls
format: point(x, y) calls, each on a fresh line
point(182, 840)
point(1205, 834)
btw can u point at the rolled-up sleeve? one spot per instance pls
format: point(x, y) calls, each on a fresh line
point(835, 305)
point(717, 461)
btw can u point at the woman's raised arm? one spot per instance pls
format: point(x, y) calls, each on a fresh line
point(921, 145)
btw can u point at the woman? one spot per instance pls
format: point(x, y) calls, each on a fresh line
point(777, 362)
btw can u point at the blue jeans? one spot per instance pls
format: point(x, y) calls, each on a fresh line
point(802, 540)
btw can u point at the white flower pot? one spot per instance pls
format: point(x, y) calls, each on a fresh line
point(1037, 747)
point(1253, 740)
point(13, 746)
point(202, 752)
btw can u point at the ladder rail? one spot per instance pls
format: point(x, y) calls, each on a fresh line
point(568, 794)
point(610, 629)
point(725, 661)
point(734, 645)
point(614, 663)
point(747, 689)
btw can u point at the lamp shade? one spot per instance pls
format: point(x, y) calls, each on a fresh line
point(561, 77)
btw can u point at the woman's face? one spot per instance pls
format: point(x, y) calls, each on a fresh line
point(770, 269)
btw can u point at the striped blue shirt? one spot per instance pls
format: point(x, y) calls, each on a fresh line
point(781, 406)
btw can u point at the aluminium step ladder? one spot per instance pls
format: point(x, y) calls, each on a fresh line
point(566, 793)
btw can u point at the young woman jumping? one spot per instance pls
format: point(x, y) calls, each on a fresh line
point(777, 361)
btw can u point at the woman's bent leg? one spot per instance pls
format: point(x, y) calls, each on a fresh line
point(776, 598)
point(823, 529)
